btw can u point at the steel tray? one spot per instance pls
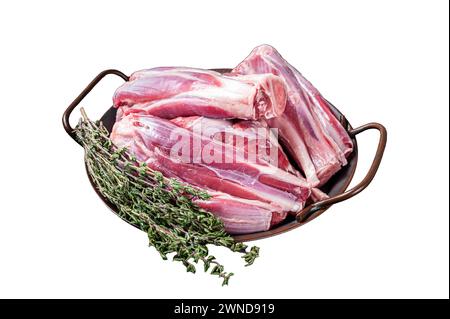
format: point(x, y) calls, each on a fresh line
point(335, 187)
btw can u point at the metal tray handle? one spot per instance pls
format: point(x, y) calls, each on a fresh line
point(73, 105)
point(308, 212)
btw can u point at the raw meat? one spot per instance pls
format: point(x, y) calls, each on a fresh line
point(180, 153)
point(169, 92)
point(255, 138)
point(241, 216)
point(311, 133)
point(246, 135)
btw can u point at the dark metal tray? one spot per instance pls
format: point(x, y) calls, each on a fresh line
point(335, 187)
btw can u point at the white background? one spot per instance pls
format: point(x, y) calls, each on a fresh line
point(384, 61)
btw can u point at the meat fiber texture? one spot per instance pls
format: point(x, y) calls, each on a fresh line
point(255, 138)
point(310, 132)
point(253, 195)
point(169, 92)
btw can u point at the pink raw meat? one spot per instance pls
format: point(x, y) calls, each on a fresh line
point(255, 138)
point(230, 132)
point(311, 133)
point(169, 92)
point(241, 216)
point(157, 141)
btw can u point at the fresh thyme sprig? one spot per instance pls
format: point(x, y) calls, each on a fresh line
point(161, 207)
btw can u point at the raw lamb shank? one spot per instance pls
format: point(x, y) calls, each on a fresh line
point(169, 92)
point(180, 153)
point(310, 132)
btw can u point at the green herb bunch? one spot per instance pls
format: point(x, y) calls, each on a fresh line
point(161, 207)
